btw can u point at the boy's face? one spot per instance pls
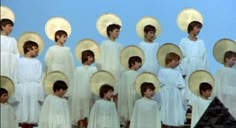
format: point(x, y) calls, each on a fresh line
point(62, 39)
point(109, 95)
point(206, 93)
point(61, 92)
point(137, 65)
point(196, 30)
point(90, 60)
point(174, 63)
point(114, 34)
point(4, 98)
point(149, 93)
point(7, 29)
point(34, 51)
point(150, 36)
point(231, 61)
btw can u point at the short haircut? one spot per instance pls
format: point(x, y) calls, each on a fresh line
point(171, 56)
point(60, 33)
point(148, 28)
point(192, 24)
point(229, 55)
point(5, 22)
point(104, 89)
point(204, 86)
point(145, 86)
point(86, 54)
point(134, 59)
point(112, 27)
point(29, 44)
point(3, 91)
point(59, 84)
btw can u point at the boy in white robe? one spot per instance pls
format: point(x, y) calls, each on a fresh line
point(29, 89)
point(150, 49)
point(59, 57)
point(194, 53)
point(127, 93)
point(146, 112)
point(173, 103)
point(109, 59)
point(8, 116)
point(55, 111)
point(9, 51)
point(225, 82)
point(104, 113)
point(81, 96)
point(200, 103)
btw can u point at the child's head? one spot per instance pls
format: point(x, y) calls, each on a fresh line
point(205, 90)
point(87, 56)
point(60, 36)
point(147, 89)
point(113, 30)
point(172, 59)
point(6, 26)
point(31, 48)
point(3, 95)
point(106, 91)
point(230, 58)
point(195, 27)
point(135, 62)
point(59, 88)
point(149, 33)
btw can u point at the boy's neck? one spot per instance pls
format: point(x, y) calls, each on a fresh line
point(27, 55)
point(203, 97)
point(148, 41)
point(86, 63)
point(59, 44)
point(132, 68)
point(112, 39)
point(4, 33)
point(227, 65)
point(192, 37)
point(104, 98)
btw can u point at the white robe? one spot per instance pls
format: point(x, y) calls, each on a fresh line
point(225, 81)
point(9, 55)
point(194, 58)
point(127, 95)
point(146, 114)
point(109, 59)
point(151, 63)
point(29, 89)
point(103, 115)
point(81, 96)
point(172, 94)
point(199, 106)
point(8, 117)
point(55, 113)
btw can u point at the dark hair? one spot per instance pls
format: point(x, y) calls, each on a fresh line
point(148, 28)
point(86, 54)
point(171, 56)
point(229, 55)
point(104, 89)
point(29, 44)
point(59, 84)
point(112, 27)
point(60, 33)
point(5, 22)
point(134, 59)
point(145, 86)
point(3, 91)
point(204, 87)
point(192, 24)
